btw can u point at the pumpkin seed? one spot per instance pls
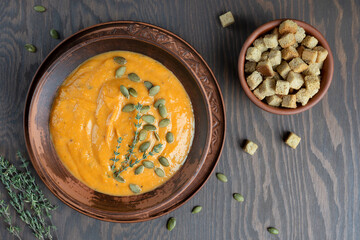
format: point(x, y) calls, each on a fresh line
point(133, 92)
point(163, 161)
point(158, 102)
point(119, 179)
point(273, 230)
point(120, 60)
point(221, 177)
point(162, 111)
point(128, 107)
point(171, 223)
point(54, 34)
point(142, 135)
point(124, 91)
point(139, 170)
point(196, 209)
point(134, 77)
point(148, 118)
point(39, 8)
point(148, 85)
point(120, 72)
point(145, 109)
point(134, 188)
point(148, 164)
point(149, 127)
point(169, 137)
point(238, 197)
point(30, 47)
point(159, 172)
point(143, 147)
point(157, 136)
point(157, 148)
point(164, 123)
point(154, 90)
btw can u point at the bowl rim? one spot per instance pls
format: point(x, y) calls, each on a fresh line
point(262, 30)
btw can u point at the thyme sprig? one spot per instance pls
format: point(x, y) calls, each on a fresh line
point(5, 213)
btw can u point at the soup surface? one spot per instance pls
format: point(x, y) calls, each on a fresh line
point(88, 120)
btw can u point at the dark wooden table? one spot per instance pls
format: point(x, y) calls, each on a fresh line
point(308, 193)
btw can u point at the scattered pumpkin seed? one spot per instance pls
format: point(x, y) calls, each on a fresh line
point(149, 127)
point(159, 172)
point(145, 109)
point(238, 197)
point(157, 148)
point(54, 34)
point(158, 102)
point(142, 135)
point(128, 107)
point(30, 47)
point(134, 188)
point(164, 123)
point(134, 77)
point(39, 8)
point(143, 147)
point(157, 136)
point(221, 177)
point(148, 118)
point(273, 230)
point(120, 72)
point(139, 170)
point(169, 137)
point(133, 92)
point(162, 111)
point(119, 179)
point(148, 164)
point(148, 85)
point(196, 209)
point(171, 223)
point(124, 91)
point(163, 161)
point(154, 90)
point(120, 60)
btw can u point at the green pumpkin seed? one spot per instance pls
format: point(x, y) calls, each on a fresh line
point(145, 109)
point(221, 177)
point(124, 91)
point(162, 111)
point(133, 92)
point(39, 8)
point(120, 60)
point(154, 90)
point(120, 72)
point(148, 164)
point(157, 136)
point(196, 209)
point(134, 188)
point(164, 123)
point(30, 47)
point(143, 147)
point(149, 127)
point(159, 172)
point(171, 223)
point(238, 197)
point(158, 102)
point(157, 148)
point(148, 118)
point(134, 77)
point(273, 230)
point(128, 107)
point(139, 170)
point(163, 161)
point(54, 34)
point(148, 85)
point(142, 135)
point(119, 179)
point(169, 137)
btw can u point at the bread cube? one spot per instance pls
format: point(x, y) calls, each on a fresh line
point(267, 87)
point(283, 69)
point(289, 53)
point(313, 70)
point(276, 32)
point(300, 34)
point(319, 64)
point(275, 57)
point(282, 87)
point(312, 83)
point(322, 54)
point(309, 56)
point(265, 68)
point(298, 65)
point(289, 101)
point(288, 26)
point(253, 54)
point(271, 40)
point(296, 80)
point(254, 79)
point(227, 19)
point(264, 56)
point(250, 147)
point(259, 44)
point(277, 76)
point(300, 50)
point(258, 94)
point(274, 100)
point(309, 41)
point(287, 40)
point(302, 96)
point(295, 45)
point(293, 140)
point(250, 67)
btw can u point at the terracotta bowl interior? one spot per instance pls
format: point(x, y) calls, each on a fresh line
point(326, 72)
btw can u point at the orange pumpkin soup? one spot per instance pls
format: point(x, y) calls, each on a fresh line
point(110, 130)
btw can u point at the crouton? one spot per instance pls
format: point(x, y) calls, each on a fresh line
point(250, 147)
point(227, 19)
point(276, 32)
point(253, 54)
point(271, 40)
point(298, 65)
point(254, 79)
point(265, 56)
point(282, 87)
point(319, 64)
point(250, 67)
point(283, 69)
point(258, 94)
point(296, 80)
point(274, 100)
point(312, 83)
point(295, 45)
point(265, 68)
point(309, 41)
point(287, 40)
point(313, 70)
point(300, 34)
point(309, 56)
point(300, 49)
point(259, 44)
point(302, 96)
point(289, 101)
point(275, 57)
point(288, 26)
point(277, 76)
point(322, 54)
point(293, 140)
point(289, 53)
point(267, 87)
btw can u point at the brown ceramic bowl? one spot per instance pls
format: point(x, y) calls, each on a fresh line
point(184, 62)
point(326, 72)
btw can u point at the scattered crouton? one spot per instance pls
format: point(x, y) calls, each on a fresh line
point(250, 147)
point(293, 140)
point(227, 19)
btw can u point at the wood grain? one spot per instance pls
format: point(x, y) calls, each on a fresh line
point(308, 193)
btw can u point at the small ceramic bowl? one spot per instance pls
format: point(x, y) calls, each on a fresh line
point(326, 72)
